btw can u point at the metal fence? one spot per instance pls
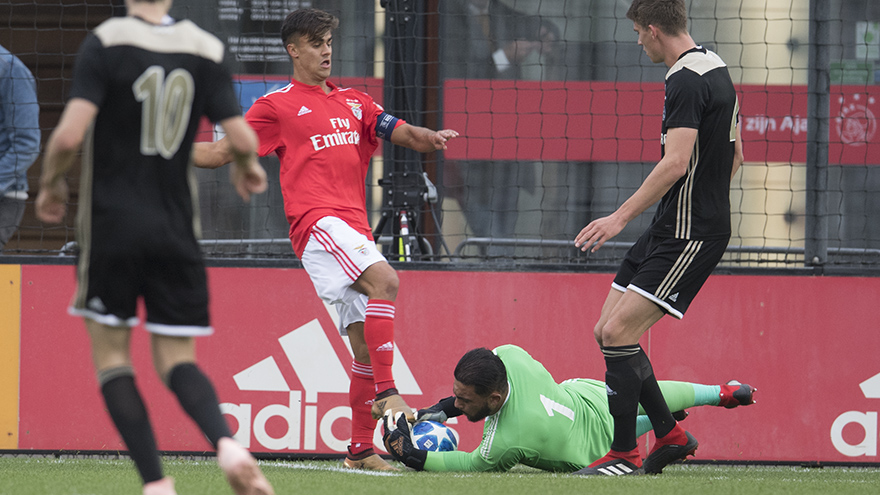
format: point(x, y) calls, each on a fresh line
point(559, 130)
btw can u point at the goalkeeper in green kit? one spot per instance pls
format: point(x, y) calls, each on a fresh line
point(531, 419)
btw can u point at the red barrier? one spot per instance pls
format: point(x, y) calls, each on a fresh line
point(617, 121)
point(620, 121)
point(281, 369)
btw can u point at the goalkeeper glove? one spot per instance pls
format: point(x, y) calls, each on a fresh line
point(399, 442)
point(440, 411)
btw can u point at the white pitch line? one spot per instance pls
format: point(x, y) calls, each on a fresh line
point(339, 469)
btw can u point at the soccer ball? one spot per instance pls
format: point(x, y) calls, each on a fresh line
point(434, 436)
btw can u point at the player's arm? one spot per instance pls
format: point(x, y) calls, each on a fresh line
point(679, 147)
point(738, 156)
point(421, 139)
point(475, 462)
point(261, 119)
point(247, 175)
point(492, 457)
point(212, 155)
point(61, 151)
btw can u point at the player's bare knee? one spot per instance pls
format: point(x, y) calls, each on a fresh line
point(597, 334)
point(386, 287)
point(611, 334)
point(391, 287)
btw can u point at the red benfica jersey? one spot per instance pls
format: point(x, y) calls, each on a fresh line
point(324, 142)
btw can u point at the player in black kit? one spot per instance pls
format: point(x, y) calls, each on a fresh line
point(663, 271)
point(141, 84)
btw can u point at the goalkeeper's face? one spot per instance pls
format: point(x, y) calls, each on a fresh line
point(474, 406)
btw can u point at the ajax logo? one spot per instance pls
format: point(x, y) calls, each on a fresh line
point(320, 371)
point(856, 124)
point(867, 420)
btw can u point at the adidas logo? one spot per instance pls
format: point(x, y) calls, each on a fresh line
point(609, 391)
point(387, 346)
point(97, 304)
point(618, 469)
point(273, 414)
point(674, 297)
point(303, 110)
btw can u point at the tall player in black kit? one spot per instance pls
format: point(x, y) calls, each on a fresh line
point(663, 271)
point(141, 84)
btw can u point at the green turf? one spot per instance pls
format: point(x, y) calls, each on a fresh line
point(49, 476)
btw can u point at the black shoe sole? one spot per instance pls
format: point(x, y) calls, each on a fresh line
point(668, 454)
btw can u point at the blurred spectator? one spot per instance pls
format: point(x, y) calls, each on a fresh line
point(19, 139)
point(486, 39)
point(498, 38)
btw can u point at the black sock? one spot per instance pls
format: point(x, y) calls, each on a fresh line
point(197, 397)
point(126, 408)
point(623, 384)
point(654, 404)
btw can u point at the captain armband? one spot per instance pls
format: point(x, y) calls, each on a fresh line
point(385, 125)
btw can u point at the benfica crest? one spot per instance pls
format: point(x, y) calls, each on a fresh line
point(356, 108)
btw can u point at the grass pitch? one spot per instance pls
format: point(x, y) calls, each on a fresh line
point(70, 476)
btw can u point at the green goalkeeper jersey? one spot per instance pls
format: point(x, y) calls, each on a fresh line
point(543, 424)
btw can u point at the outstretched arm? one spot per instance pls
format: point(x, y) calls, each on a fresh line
point(247, 175)
point(398, 442)
point(421, 139)
point(238, 146)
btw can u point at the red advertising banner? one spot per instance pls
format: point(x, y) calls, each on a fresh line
point(281, 369)
point(620, 121)
point(616, 121)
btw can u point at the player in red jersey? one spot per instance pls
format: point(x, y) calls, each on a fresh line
point(324, 136)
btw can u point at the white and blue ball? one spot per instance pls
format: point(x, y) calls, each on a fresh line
point(434, 437)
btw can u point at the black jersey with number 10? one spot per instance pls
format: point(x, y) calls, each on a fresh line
point(152, 85)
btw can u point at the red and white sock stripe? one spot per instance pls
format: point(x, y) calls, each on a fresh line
point(364, 370)
point(380, 309)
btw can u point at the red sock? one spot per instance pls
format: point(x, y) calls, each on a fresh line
point(631, 456)
point(674, 437)
point(379, 335)
point(360, 398)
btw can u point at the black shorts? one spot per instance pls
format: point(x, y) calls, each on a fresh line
point(174, 290)
point(669, 271)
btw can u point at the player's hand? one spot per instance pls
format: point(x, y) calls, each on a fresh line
point(433, 413)
point(440, 138)
point(248, 180)
point(52, 202)
point(439, 412)
point(398, 441)
point(598, 232)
